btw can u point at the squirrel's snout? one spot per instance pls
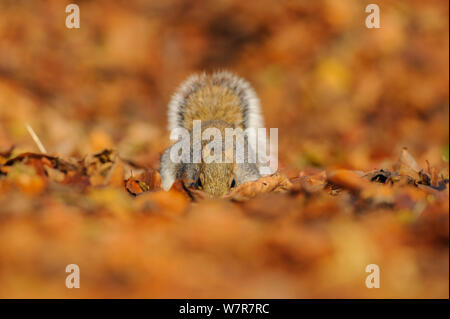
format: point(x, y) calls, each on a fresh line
point(216, 178)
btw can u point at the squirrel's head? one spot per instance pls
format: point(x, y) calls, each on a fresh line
point(216, 179)
point(215, 176)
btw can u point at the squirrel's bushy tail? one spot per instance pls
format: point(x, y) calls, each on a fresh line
point(221, 95)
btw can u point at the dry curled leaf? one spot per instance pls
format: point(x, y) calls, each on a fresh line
point(309, 183)
point(151, 179)
point(273, 183)
point(406, 165)
point(133, 186)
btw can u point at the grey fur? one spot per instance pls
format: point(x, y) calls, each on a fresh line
point(250, 106)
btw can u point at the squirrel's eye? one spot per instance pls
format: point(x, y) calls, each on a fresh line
point(199, 183)
point(233, 183)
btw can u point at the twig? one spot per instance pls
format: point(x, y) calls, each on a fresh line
point(36, 139)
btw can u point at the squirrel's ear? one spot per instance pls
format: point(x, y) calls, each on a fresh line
point(168, 170)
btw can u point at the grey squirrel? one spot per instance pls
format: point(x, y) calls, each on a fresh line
point(220, 100)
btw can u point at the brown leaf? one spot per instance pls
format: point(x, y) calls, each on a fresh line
point(133, 187)
point(309, 183)
point(25, 157)
point(152, 179)
point(347, 179)
point(266, 184)
point(406, 164)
